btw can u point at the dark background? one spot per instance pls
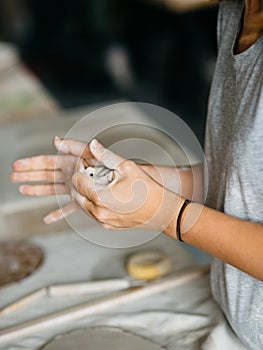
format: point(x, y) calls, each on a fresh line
point(67, 43)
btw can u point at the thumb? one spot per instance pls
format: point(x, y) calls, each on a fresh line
point(104, 156)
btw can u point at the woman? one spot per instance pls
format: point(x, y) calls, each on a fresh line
point(230, 227)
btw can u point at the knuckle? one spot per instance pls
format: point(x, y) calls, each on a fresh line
point(127, 165)
point(93, 196)
point(86, 206)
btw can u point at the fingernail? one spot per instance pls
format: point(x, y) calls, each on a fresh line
point(95, 144)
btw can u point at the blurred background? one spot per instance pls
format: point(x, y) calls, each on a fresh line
point(60, 60)
point(97, 51)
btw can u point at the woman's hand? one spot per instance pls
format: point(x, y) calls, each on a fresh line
point(132, 199)
point(55, 171)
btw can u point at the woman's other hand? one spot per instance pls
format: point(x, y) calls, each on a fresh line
point(51, 174)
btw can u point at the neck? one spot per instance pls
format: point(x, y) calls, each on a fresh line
point(248, 35)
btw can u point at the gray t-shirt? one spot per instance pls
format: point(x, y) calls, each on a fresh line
point(234, 151)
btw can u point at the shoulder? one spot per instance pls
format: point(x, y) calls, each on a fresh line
point(229, 11)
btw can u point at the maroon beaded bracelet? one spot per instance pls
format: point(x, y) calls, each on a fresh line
point(179, 218)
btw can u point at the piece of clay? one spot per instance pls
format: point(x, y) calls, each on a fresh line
point(102, 176)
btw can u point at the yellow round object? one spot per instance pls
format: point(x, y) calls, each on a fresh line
point(149, 265)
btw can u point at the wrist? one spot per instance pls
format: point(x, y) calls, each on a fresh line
point(190, 215)
point(175, 203)
point(180, 218)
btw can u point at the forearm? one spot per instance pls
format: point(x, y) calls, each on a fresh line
point(181, 180)
point(237, 242)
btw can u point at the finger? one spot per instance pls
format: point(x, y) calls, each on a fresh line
point(40, 175)
point(104, 156)
point(43, 190)
point(83, 202)
point(43, 162)
point(91, 209)
point(61, 213)
point(84, 185)
point(74, 147)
